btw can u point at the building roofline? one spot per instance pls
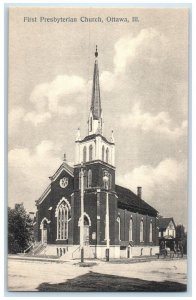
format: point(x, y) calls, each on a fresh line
point(93, 162)
point(63, 166)
point(166, 222)
point(133, 202)
point(93, 136)
point(43, 196)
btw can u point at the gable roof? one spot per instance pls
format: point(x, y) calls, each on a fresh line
point(64, 166)
point(164, 222)
point(43, 196)
point(130, 201)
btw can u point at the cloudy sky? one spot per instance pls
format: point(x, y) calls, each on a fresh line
point(144, 92)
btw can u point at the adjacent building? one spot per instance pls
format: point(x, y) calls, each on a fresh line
point(167, 233)
point(167, 228)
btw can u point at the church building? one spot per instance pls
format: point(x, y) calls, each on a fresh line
point(84, 208)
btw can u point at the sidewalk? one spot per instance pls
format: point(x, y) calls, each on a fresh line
point(93, 261)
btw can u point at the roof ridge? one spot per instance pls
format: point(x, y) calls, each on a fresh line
point(128, 197)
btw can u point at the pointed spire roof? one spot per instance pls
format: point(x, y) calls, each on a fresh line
point(96, 99)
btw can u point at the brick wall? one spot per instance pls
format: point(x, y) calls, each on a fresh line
point(125, 217)
point(52, 200)
point(95, 208)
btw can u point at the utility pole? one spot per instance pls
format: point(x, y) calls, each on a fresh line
point(82, 214)
point(106, 183)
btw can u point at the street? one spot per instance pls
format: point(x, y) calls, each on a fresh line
point(157, 275)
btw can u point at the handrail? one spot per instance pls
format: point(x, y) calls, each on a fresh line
point(28, 247)
point(36, 247)
point(75, 251)
point(39, 248)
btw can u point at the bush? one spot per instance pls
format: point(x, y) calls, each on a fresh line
point(20, 229)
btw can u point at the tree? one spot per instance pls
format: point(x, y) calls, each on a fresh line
point(20, 229)
point(180, 231)
point(181, 236)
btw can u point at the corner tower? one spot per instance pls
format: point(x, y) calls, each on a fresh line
point(95, 154)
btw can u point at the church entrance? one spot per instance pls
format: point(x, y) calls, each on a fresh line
point(86, 231)
point(44, 233)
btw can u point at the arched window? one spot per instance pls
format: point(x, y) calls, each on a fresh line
point(118, 220)
point(107, 155)
point(150, 232)
point(106, 183)
point(90, 152)
point(84, 154)
point(85, 179)
point(103, 153)
point(79, 180)
point(141, 231)
point(89, 178)
point(131, 230)
point(110, 181)
point(62, 213)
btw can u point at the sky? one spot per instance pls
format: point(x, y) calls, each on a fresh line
point(143, 70)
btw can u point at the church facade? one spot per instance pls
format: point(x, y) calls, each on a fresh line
point(84, 207)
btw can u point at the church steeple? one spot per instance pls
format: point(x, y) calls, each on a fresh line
point(95, 116)
point(95, 147)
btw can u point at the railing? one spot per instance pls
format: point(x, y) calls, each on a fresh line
point(75, 251)
point(31, 246)
point(39, 248)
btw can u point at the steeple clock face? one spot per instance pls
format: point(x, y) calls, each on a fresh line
point(63, 182)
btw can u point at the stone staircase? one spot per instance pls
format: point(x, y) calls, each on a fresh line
point(63, 253)
point(35, 249)
point(39, 249)
point(74, 252)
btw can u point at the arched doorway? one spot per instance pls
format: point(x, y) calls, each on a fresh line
point(44, 230)
point(86, 231)
point(44, 233)
point(86, 225)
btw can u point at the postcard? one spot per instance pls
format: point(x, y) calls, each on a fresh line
point(98, 149)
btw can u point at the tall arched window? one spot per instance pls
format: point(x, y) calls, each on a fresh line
point(89, 178)
point(106, 184)
point(107, 155)
point(141, 231)
point(90, 152)
point(85, 179)
point(79, 180)
point(131, 230)
point(110, 181)
point(150, 232)
point(103, 153)
point(62, 221)
point(118, 220)
point(84, 154)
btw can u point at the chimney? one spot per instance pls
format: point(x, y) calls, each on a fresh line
point(139, 192)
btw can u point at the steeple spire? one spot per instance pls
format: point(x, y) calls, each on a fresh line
point(96, 100)
point(96, 52)
point(95, 117)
